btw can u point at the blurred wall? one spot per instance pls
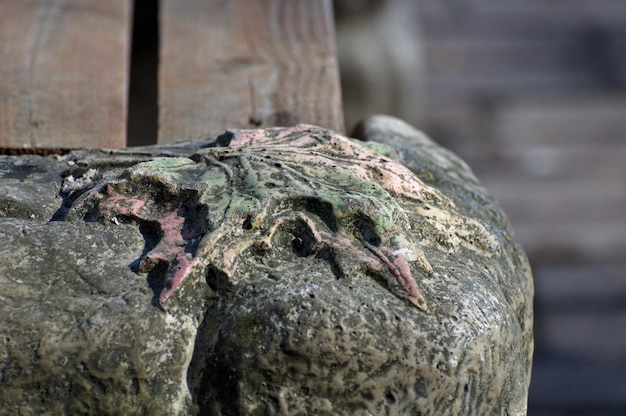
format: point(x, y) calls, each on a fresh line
point(532, 94)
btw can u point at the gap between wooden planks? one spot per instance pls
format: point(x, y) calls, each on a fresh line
point(64, 68)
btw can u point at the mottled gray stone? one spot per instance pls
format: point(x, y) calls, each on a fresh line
point(29, 187)
point(79, 332)
point(285, 271)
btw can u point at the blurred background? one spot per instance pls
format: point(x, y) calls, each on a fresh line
point(532, 94)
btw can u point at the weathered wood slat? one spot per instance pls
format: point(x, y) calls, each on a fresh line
point(245, 64)
point(63, 73)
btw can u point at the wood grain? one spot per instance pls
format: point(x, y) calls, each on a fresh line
point(246, 64)
point(63, 73)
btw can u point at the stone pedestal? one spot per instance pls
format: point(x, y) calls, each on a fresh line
point(277, 271)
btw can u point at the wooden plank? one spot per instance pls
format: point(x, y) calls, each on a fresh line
point(64, 73)
point(246, 64)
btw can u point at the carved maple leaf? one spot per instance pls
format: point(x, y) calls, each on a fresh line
point(347, 198)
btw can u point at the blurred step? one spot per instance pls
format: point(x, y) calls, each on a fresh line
point(465, 67)
point(528, 19)
point(581, 311)
point(559, 201)
point(598, 285)
point(593, 240)
point(555, 164)
point(589, 122)
point(596, 337)
point(565, 388)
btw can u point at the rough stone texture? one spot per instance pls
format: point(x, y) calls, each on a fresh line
point(278, 271)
